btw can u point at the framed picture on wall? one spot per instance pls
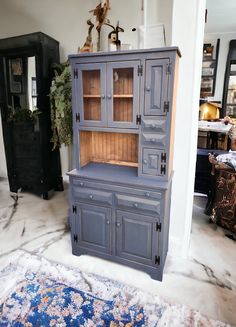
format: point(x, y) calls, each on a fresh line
point(207, 86)
point(16, 75)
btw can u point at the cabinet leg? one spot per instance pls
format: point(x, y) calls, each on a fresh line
point(45, 195)
point(59, 185)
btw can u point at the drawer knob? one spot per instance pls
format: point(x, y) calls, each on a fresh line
point(153, 126)
point(148, 89)
point(145, 161)
point(108, 222)
point(81, 184)
point(109, 96)
point(90, 196)
point(118, 224)
point(135, 205)
point(153, 140)
point(103, 96)
point(147, 194)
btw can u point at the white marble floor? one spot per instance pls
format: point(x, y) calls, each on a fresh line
point(205, 281)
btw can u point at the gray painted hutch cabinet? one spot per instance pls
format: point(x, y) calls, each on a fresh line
point(123, 126)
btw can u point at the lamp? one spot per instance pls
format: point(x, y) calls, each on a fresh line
point(209, 110)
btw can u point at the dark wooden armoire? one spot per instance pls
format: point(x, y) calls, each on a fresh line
point(25, 78)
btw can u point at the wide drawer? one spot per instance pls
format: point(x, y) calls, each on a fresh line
point(136, 203)
point(154, 139)
point(92, 196)
point(146, 193)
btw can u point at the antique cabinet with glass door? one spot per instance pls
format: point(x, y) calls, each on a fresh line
point(123, 110)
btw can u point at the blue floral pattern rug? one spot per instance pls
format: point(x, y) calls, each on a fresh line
point(36, 292)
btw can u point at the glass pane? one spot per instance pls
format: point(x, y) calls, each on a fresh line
point(232, 82)
point(231, 97)
point(123, 94)
point(91, 94)
point(233, 68)
point(32, 86)
point(231, 111)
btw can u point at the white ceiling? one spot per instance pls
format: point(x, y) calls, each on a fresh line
point(221, 16)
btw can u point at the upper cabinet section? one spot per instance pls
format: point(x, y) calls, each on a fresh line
point(114, 90)
point(108, 94)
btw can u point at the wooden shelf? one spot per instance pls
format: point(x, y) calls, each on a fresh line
point(114, 96)
point(112, 148)
point(207, 76)
point(92, 96)
point(123, 96)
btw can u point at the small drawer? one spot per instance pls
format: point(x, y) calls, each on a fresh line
point(155, 125)
point(80, 183)
point(135, 203)
point(92, 196)
point(146, 193)
point(154, 139)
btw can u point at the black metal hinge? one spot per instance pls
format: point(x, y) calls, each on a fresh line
point(138, 119)
point(77, 117)
point(74, 209)
point(158, 226)
point(163, 157)
point(157, 260)
point(75, 73)
point(140, 70)
point(163, 169)
point(76, 238)
point(166, 106)
point(168, 69)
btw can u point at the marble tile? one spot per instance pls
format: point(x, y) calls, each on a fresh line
point(205, 280)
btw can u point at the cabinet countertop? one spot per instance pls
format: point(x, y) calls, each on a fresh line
point(118, 175)
point(219, 127)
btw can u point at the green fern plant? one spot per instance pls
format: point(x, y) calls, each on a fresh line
point(21, 115)
point(61, 106)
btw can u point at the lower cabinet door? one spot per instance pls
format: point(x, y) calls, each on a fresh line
point(136, 237)
point(94, 227)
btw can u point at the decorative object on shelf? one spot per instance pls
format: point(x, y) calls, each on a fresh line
point(88, 45)
point(61, 106)
point(100, 12)
point(120, 188)
point(209, 69)
point(113, 37)
point(25, 78)
point(208, 50)
point(151, 36)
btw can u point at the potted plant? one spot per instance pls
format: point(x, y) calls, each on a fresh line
point(61, 106)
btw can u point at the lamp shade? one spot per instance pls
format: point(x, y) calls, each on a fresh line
point(209, 110)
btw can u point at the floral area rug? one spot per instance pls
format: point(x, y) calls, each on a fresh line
point(36, 292)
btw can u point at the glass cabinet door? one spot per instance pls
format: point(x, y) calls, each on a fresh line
point(122, 94)
point(91, 94)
